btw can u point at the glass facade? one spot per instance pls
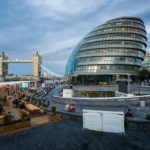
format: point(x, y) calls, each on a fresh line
point(97, 94)
point(94, 80)
point(118, 46)
point(146, 62)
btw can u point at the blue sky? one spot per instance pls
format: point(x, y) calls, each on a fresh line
point(54, 27)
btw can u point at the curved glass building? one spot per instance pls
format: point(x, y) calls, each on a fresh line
point(116, 47)
point(146, 62)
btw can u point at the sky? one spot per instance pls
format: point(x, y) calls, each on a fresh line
point(54, 27)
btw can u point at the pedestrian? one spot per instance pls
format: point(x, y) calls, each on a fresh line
point(1, 109)
point(11, 116)
point(67, 107)
point(72, 108)
point(129, 114)
point(71, 85)
point(17, 103)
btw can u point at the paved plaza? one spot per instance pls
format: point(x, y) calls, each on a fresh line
point(69, 135)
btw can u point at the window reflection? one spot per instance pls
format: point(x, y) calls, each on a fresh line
point(105, 68)
point(110, 52)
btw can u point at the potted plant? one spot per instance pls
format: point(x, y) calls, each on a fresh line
point(53, 110)
point(6, 120)
point(53, 115)
point(24, 116)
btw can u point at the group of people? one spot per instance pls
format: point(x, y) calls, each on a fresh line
point(9, 113)
point(19, 104)
point(70, 107)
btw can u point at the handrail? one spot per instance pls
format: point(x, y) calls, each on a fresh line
point(102, 98)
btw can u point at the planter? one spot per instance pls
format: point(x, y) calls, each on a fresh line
point(12, 127)
point(4, 104)
point(55, 117)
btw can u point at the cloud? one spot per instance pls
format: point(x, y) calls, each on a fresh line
point(148, 29)
point(61, 9)
point(54, 27)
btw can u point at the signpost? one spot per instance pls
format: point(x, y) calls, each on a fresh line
point(25, 85)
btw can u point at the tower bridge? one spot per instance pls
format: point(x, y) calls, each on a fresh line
point(37, 67)
point(17, 61)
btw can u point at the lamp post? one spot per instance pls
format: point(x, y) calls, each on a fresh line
point(117, 79)
point(129, 83)
point(139, 86)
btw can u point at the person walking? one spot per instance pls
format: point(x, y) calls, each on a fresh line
point(1, 109)
point(11, 116)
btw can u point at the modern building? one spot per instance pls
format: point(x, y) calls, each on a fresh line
point(111, 52)
point(146, 62)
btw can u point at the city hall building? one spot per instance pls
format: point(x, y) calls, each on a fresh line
point(146, 62)
point(108, 56)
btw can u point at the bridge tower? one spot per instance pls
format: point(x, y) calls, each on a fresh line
point(36, 62)
point(3, 66)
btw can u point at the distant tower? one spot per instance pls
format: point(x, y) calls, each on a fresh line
point(36, 61)
point(3, 65)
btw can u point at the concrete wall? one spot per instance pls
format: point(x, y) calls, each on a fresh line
point(113, 101)
point(140, 89)
point(137, 125)
point(120, 94)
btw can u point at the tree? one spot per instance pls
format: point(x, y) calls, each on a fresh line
point(53, 110)
point(143, 74)
point(24, 116)
point(6, 119)
point(48, 103)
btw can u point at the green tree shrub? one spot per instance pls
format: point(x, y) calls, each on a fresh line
point(24, 116)
point(53, 110)
point(6, 119)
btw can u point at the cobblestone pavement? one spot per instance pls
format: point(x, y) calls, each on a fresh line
point(69, 135)
point(14, 111)
point(39, 120)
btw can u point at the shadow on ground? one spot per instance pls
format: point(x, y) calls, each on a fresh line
point(69, 135)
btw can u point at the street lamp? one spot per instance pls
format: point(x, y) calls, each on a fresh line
point(129, 83)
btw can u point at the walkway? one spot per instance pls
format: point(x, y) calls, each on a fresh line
point(16, 112)
point(61, 107)
point(139, 112)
